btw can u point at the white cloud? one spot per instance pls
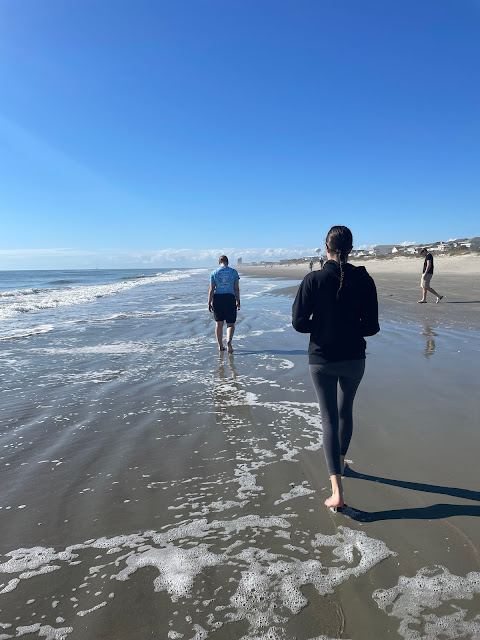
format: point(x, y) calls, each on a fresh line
point(406, 243)
point(365, 246)
point(78, 259)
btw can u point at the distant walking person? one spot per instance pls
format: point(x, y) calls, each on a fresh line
point(337, 306)
point(321, 263)
point(427, 277)
point(224, 301)
point(311, 265)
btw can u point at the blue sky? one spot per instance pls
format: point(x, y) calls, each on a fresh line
point(136, 127)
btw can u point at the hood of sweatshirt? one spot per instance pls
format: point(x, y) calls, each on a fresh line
point(333, 267)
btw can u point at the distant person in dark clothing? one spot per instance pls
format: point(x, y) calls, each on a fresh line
point(321, 263)
point(311, 265)
point(427, 277)
point(337, 306)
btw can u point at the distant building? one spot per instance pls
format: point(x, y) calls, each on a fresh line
point(400, 248)
point(383, 249)
point(239, 261)
point(474, 243)
point(443, 246)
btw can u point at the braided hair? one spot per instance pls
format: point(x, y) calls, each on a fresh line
point(339, 241)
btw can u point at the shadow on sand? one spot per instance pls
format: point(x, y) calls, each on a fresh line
point(433, 512)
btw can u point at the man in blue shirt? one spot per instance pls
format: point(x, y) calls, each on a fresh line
point(224, 301)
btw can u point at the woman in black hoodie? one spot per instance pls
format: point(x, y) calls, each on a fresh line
point(337, 306)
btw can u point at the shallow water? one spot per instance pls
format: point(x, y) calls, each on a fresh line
point(155, 488)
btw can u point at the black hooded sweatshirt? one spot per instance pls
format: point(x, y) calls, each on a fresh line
point(336, 325)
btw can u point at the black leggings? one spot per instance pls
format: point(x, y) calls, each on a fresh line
point(337, 415)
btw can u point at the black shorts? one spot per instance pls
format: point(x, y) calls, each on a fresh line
point(224, 307)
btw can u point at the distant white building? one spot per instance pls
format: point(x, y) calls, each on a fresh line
point(474, 243)
point(442, 246)
point(401, 248)
point(383, 249)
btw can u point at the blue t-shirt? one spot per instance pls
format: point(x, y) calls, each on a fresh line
point(224, 277)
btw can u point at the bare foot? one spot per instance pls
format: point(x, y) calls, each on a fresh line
point(229, 347)
point(221, 348)
point(336, 500)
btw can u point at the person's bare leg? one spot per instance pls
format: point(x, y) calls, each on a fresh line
point(424, 296)
point(219, 335)
point(336, 499)
point(230, 332)
point(439, 297)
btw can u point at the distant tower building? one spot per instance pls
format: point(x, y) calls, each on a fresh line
point(239, 261)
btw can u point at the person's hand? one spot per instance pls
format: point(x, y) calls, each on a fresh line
point(210, 307)
point(238, 305)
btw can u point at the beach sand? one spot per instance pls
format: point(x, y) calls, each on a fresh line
point(457, 278)
point(153, 488)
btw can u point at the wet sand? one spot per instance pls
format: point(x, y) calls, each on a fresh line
point(154, 488)
point(414, 482)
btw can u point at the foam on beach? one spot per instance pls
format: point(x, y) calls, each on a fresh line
point(116, 348)
point(233, 543)
point(263, 587)
point(428, 603)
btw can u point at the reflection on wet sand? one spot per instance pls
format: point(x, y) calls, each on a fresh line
point(222, 373)
point(428, 331)
point(429, 348)
point(225, 386)
point(430, 343)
